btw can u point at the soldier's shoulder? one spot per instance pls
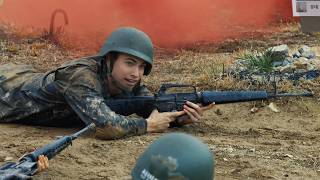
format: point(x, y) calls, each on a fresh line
point(87, 61)
point(92, 62)
point(84, 71)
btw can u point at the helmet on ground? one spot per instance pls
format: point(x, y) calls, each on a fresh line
point(175, 156)
point(130, 41)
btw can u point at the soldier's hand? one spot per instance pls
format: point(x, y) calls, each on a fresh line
point(194, 113)
point(43, 163)
point(158, 122)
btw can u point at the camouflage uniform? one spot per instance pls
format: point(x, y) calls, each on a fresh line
point(56, 98)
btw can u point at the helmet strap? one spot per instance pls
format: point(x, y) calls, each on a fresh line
point(108, 68)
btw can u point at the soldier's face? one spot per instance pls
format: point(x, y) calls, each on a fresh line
point(127, 71)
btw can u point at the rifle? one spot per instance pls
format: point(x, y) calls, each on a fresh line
point(27, 164)
point(166, 102)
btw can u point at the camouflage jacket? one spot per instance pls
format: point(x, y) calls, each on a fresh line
point(62, 96)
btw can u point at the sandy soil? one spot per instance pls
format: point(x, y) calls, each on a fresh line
point(261, 145)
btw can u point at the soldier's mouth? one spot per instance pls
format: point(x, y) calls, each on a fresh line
point(131, 82)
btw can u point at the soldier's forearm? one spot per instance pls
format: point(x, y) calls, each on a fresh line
point(119, 130)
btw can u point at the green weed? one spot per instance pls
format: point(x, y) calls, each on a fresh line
point(261, 62)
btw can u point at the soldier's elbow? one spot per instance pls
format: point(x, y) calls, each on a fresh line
point(109, 133)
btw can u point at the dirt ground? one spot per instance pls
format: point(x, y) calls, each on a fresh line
point(261, 145)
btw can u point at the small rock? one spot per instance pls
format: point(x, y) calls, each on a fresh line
point(242, 62)
point(304, 143)
point(296, 55)
point(236, 171)
point(277, 63)
point(8, 158)
point(58, 137)
point(310, 67)
point(212, 147)
point(301, 71)
point(286, 62)
point(290, 59)
point(140, 142)
point(310, 156)
point(258, 78)
point(218, 112)
point(288, 155)
point(287, 69)
point(281, 50)
point(254, 110)
point(230, 150)
point(252, 150)
point(225, 159)
point(307, 52)
point(301, 63)
point(232, 155)
point(274, 107)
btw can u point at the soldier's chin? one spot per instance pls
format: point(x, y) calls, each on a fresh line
point(128, 88)
point(121, 86)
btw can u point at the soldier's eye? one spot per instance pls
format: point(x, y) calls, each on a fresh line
point(130, 63)
point(142, 66)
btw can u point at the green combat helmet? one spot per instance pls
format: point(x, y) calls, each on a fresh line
point(130, 41)
point(175, 156)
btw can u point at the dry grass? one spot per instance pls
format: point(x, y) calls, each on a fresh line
point(42, 55)
point(203, 65)
point(203, 70)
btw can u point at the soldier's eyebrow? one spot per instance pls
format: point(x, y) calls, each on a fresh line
point(134, 60)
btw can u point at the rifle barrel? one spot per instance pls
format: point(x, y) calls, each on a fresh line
point(89, 127)
point(52, 149)
point(305, 94)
